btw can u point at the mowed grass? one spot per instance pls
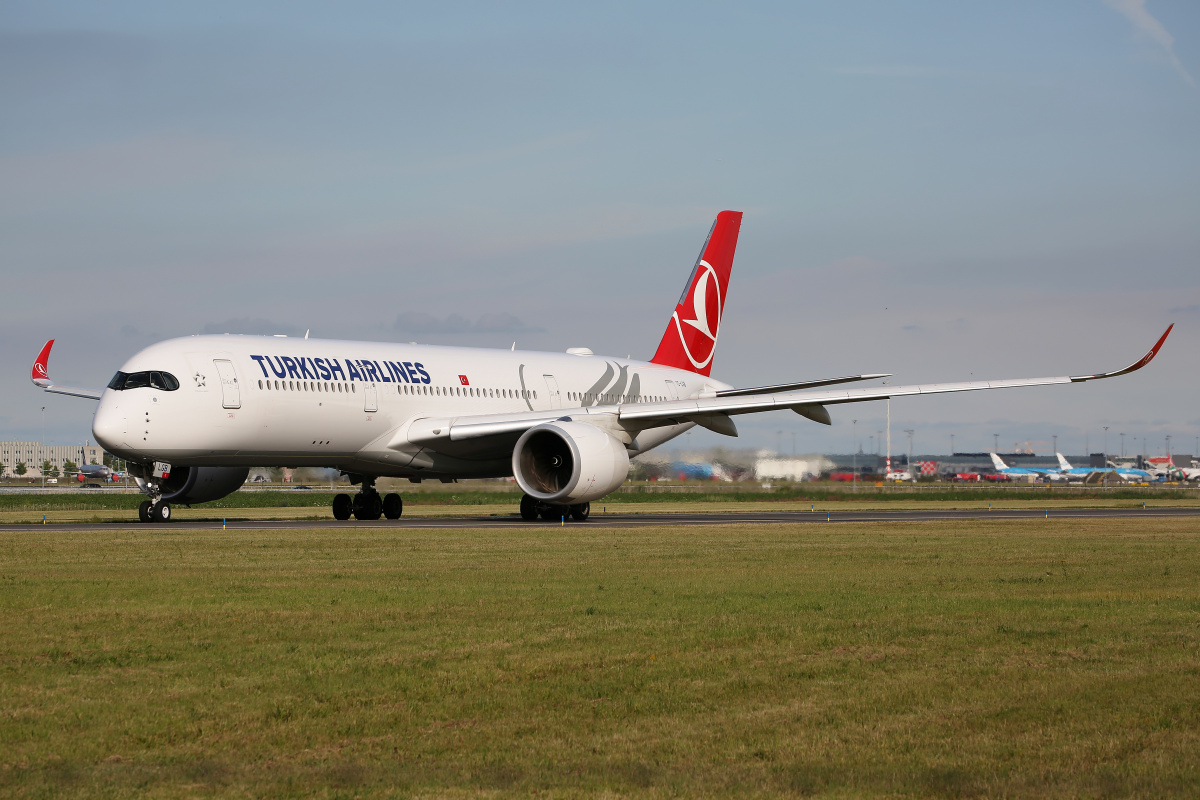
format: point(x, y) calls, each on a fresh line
point(992, 658)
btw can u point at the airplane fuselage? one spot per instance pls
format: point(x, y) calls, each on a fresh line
point(257, 400)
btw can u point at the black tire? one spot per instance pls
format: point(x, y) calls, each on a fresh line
point(368, 506)
point(393, 505)
point(342, 506)
point(581, 511)
point(144, 511)
point(555, 513)
point(529, 508)
point(162, 512)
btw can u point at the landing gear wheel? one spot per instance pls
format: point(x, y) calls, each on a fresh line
point(144, 513)
point(162, 512)
point(393, 506)
point(529, 508)
point(342, 506)
point(581, 511)
point(554, 513)
point(368, 506)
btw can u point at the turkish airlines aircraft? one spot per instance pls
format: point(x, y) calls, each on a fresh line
point(192, 415)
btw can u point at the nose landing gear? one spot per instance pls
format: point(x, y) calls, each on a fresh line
point(155, 509)
point(150, 511)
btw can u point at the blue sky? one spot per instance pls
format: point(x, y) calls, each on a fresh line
point(938, 190)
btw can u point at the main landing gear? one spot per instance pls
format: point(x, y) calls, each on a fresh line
point(367, 504)
point(532, 508)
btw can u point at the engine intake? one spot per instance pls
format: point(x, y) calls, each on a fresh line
point(188, 485)
point(569, 462)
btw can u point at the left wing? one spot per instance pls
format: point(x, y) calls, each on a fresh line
point(40, 377)
point(712, 412)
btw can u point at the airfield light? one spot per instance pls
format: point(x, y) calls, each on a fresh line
point(854, 461)
point(1105, 455)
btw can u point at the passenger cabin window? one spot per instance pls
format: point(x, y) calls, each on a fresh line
point(154, 379)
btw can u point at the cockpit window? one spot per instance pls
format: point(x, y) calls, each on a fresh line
point(164, 380)
point(140, 380)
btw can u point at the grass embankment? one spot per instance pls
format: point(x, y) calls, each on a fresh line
point(1047, 658)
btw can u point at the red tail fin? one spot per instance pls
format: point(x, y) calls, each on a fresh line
point(691, 336)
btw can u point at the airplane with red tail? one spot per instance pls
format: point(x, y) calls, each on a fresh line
point(191, 415)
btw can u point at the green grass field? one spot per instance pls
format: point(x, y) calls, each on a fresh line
point(1052, 658)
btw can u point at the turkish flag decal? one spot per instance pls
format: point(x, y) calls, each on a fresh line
point(463, 380)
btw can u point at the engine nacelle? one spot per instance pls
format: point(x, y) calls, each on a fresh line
point(188, 485)
point(569, 462)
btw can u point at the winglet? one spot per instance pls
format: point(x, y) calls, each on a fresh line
point(1146, 359)
point(40, 375)
point(39, 372)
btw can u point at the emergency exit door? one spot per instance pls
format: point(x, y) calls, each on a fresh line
point(231, 393)
point(552, 391)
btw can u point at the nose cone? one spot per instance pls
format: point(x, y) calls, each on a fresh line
point(108, 426)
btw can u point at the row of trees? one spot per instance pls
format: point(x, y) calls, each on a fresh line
point(48, 469)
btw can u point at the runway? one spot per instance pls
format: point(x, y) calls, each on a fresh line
point(634, 520)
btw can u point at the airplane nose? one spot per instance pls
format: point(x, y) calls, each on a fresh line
point(108, 426)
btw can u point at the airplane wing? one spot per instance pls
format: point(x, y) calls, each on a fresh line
point(791, 387)
point(41, 378)
point(711, 412)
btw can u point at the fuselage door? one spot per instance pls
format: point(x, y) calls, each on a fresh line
point(552, 391)
point(231, 393)
point(370, 397)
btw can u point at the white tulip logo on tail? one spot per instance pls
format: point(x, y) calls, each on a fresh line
point(706, 281)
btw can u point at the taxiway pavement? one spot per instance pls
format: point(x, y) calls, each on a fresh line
point(682, 519)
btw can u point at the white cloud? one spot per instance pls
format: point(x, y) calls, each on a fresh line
point(1147, 26)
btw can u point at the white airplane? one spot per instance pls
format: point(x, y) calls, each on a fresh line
point(192, 415)
point(94, 472)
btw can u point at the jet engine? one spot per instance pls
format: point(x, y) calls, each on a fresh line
point(188, 485)
point(567, 462)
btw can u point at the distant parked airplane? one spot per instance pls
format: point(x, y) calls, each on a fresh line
point(1124, 473)
point(93, 472)
point(1017, 472)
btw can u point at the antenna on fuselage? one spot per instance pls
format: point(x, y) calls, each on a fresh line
point(306, 333)
point(514, 347)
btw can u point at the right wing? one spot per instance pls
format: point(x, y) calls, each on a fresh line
point(711, 412)
point(40, 377)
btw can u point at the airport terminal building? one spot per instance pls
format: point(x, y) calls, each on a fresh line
point(32, 454)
